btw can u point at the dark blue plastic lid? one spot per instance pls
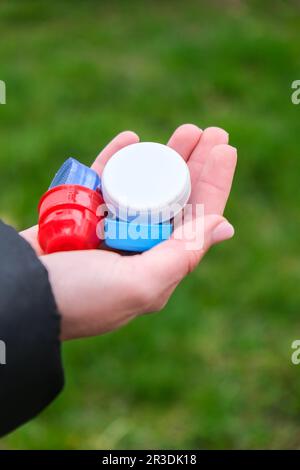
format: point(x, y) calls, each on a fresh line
point(74, 172)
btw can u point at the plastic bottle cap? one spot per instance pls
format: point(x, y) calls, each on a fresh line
point(74, 172)
point(146, 179)
point(68, 218)
point(132, 236)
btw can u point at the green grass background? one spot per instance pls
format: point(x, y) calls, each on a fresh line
point(213, 369)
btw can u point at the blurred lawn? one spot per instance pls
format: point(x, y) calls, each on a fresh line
point(213, 370)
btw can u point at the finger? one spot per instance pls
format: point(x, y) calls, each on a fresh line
point(211, 137)
point(170, 261)
point(31, 236)
point(185, 139)
point(121, 140)
point(214, 184)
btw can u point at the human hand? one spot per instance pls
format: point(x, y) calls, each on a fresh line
point(96, 290)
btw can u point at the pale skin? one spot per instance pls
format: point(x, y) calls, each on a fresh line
point(97, 291)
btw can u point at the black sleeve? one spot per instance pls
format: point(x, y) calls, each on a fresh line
point(31, 372)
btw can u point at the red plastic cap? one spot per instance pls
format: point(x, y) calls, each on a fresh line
point(68, 218)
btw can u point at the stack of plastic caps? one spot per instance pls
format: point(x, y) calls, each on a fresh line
point(144, 186)
point(68, 210)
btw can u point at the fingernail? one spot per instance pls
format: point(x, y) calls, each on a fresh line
point(222, 232)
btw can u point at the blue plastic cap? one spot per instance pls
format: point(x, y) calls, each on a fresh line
point(74, 172)
point(132, 236)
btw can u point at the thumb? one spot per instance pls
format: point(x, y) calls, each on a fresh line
point(175, 258)
point(220, 232)
point(200, 235)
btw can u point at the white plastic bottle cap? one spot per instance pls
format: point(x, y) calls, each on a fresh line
point(146, 179)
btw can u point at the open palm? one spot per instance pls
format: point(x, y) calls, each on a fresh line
point(98, 290)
